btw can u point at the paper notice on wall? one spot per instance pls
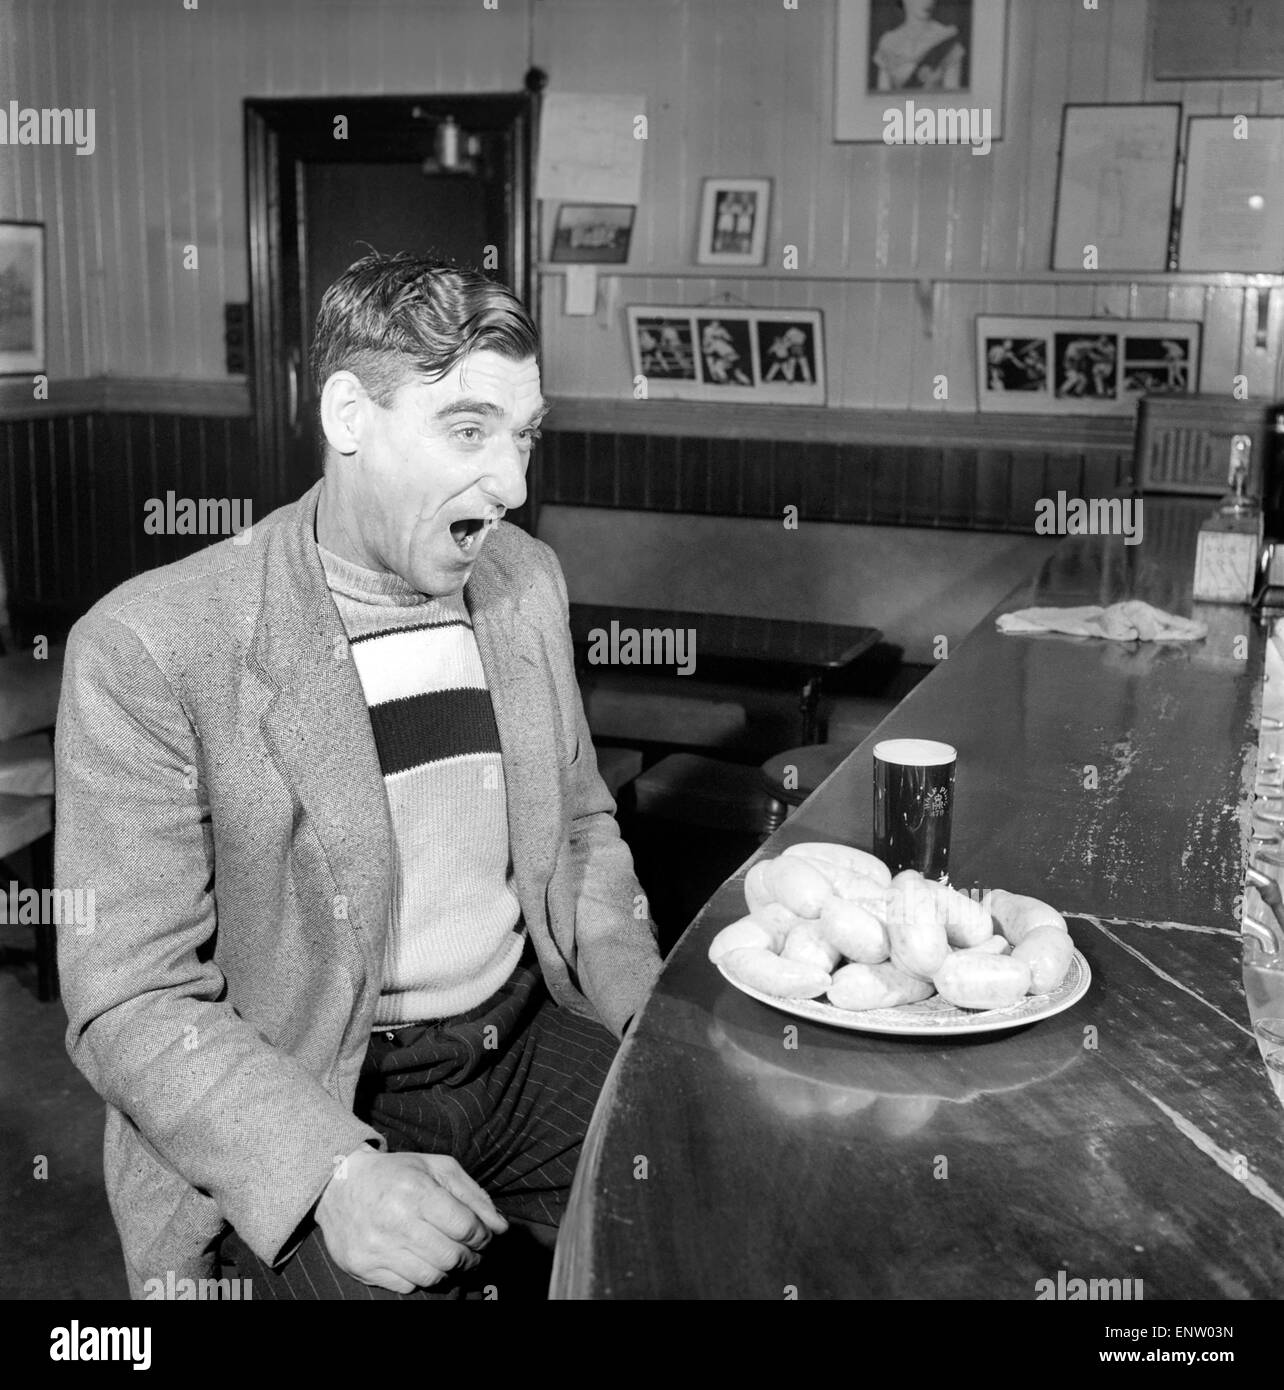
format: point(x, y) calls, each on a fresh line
point(588, 148)
point(581, 289)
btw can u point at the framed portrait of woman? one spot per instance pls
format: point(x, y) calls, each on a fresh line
point(921, 59)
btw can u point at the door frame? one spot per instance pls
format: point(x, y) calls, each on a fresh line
point(271, 135)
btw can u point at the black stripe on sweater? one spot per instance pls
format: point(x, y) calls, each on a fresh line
point(409, 627)
point(431, 727)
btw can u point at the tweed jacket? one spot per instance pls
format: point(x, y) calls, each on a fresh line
point(219, 791)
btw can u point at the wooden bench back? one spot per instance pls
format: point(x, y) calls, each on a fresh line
point(914, 583)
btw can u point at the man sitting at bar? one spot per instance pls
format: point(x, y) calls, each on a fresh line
point(366, 933)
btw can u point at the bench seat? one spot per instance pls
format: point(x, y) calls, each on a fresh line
point(918, 585)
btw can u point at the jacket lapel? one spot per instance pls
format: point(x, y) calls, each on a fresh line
point(317, 726)
point(512, 656)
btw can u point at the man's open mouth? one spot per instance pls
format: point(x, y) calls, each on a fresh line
point(465, 531)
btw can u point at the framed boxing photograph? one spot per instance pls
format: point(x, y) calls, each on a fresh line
point(733, 222)
point(1082, 366)
point(707, 353)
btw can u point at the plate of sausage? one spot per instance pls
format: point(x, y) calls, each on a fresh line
point(832, 936)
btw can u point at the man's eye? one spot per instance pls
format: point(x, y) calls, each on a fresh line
point(529, 436)
point(470, 434)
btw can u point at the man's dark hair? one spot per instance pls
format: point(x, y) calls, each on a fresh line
point(389, 317)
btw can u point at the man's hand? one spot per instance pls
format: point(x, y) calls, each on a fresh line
point(405, 1221)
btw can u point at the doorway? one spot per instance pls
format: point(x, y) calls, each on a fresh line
point(329, 179)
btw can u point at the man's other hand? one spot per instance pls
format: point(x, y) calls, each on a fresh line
point(405, 1221)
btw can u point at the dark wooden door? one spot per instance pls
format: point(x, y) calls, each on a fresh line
point(330, 179)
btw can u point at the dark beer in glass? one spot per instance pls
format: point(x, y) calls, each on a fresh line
point(913, 804)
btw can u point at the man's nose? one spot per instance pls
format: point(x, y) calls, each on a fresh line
point(505, 478)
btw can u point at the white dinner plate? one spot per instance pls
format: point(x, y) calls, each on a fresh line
point(934, 1017)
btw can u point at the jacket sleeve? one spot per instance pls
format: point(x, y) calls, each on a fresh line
point(617, 959)
point(149, 1021)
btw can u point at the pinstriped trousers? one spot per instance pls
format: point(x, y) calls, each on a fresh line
point(507, 1089)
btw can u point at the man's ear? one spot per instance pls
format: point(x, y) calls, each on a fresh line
point(344, 404)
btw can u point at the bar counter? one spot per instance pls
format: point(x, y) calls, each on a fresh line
point(737, 1152)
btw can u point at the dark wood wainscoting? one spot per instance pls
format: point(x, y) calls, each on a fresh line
point(73, 484)
point(72, 495)
point(967, 487)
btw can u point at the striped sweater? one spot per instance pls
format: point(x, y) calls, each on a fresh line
point(455, 933)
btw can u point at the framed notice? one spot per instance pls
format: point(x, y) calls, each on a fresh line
point(22, 298)
point(1232, 213)
point(1116, 186)
point(937, 65)
point(719, 354)
point(1053, 366)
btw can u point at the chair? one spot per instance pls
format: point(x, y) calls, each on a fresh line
point(618, 767)
point(791, 777)
point(707, 793)
point(28, 702)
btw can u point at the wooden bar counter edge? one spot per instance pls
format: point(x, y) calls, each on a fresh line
point(739, 1153)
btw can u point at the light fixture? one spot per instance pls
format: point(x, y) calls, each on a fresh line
point(446, 142)
point(454, 151)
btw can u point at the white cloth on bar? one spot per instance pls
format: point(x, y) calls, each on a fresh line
point(1131, 621)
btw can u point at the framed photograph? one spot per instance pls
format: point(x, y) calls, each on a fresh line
point(733, 222)
point(22, 298)
point(593, 233)
point(1047, 366)
point(1116, 186)
point(709, 353)
point(1232, 213)
point(1192, 41)
point(920, 71)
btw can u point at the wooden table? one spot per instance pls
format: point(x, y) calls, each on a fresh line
point(805, 650)
point(1133, 1137)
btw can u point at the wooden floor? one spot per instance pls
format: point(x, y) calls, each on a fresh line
point(59, 1239)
